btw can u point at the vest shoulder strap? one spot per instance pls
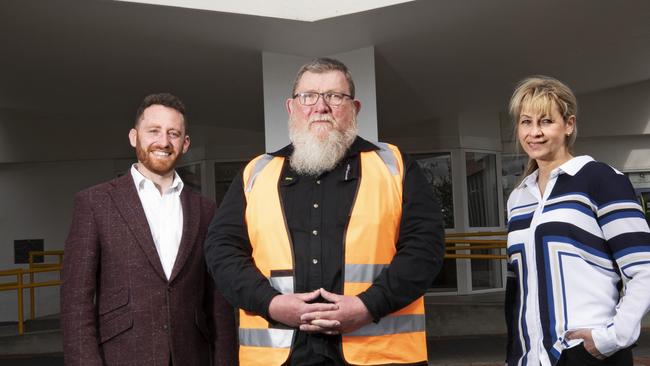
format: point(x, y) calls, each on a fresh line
point(260, 164)
point(388, 157)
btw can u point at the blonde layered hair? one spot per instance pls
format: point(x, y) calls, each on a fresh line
point(539, 93)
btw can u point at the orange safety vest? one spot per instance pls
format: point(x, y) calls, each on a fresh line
point(369, 248)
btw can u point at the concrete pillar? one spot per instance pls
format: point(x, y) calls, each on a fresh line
point(279, 70)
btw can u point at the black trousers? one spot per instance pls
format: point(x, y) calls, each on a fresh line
point(578, 356)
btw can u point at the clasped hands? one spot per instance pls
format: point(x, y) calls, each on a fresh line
point(341, 314)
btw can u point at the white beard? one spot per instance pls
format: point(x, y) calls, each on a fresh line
point(313, 155)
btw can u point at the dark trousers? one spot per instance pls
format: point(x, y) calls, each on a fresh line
point(578, 356)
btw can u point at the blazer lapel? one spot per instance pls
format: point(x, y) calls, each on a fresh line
point(128, 203)
point(191, 204)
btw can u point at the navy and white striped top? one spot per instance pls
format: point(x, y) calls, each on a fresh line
point(578, 257)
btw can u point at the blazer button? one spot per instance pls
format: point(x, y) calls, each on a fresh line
point(165, 327)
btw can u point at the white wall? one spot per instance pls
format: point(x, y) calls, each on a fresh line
point(478, 128)
point(361, 63)
point(278, 75)
point(625, 153)
point(475, 128)
point(614, 126)
point(424, 136)
point(622, 111)
point(36, 201)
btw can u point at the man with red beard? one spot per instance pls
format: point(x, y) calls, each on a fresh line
point(328, 244)
point(135, 287)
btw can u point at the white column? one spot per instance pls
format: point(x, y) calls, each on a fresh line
point(279, 70)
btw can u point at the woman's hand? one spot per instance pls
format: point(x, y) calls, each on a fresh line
point(587, 341)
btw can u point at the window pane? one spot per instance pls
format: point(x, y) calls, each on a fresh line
point(482, 198)
point(224, 173)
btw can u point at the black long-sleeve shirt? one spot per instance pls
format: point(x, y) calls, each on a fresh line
point(317, 211)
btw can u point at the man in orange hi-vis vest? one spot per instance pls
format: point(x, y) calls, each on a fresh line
point(327, 245)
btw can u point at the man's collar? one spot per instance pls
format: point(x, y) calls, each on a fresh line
point(358, 145)
point(139, 180)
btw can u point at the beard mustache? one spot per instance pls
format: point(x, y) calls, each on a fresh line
point(160, 167)
point(313, 154)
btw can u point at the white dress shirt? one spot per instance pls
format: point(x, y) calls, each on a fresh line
point(164, 215)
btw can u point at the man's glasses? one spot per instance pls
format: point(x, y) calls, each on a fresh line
point(331, 98)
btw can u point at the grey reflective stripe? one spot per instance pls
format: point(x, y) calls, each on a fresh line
point(391, 325)
point(259, 165)
point(271, 337)
point(283, 284)
point(363, 272)
point(389, 158)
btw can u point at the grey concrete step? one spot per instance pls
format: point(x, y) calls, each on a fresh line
point(470, 315)
point(42, 337)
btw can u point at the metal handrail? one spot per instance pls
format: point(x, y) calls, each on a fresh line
point(459, 242)
point(476, 233)
point(19, 285)
point(32, 265)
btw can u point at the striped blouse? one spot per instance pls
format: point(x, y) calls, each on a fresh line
point(578, 257)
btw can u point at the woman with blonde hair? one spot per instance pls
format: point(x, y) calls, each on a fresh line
point(578, 243)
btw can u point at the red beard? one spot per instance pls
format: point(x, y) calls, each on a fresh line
point(158, 166)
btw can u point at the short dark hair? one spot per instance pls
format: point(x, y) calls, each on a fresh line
point(164, 99)
point(321, 65)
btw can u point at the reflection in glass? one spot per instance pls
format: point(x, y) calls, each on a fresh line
point(482, 197)
point(191, 176)
point(437, 171)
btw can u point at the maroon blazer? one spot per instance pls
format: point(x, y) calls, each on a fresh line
point(117, 306)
